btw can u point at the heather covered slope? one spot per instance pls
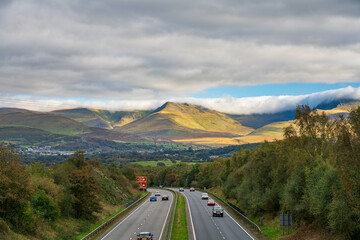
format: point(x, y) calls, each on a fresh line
point(44, 121)
point(181, 123)
point(259, 120)
point(101, 118)
point(31, 136)
point(12, 110)
point(40, 128)
point(178, 121)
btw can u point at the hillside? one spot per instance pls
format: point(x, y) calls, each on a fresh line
point(64, 201)
point(44, 121)
point(181, 121)
point(12, 110)
point(269, 132)
point(32, 136)
point(259, 120)
point(100, 118)
point(37, 128)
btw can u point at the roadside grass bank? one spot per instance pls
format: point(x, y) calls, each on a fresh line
point(122, 212)
point(179, 229)
point(98, 224)
point(220, 199)
point(271, 225)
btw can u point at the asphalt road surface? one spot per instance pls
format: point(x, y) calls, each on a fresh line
point(148, 217)
point(213, 228)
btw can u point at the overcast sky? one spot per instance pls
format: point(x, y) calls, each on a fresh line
point(57, 53)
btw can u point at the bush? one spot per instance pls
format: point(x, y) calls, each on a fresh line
point(45, 206)
point(4, 228)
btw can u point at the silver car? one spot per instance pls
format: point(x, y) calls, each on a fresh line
point(204, 196)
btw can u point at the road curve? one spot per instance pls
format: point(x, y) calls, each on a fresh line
point(213, 228)
point(148, 217)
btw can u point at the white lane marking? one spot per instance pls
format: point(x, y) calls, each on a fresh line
point(212, 218)
point(240, 226)
point(162, 230)
point(191, 220)
point(124, 220)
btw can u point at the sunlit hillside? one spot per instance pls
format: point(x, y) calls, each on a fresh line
point(101, 118)
point(182, 121)
point(44, 121)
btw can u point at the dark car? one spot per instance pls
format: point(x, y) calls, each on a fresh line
point(218, 211)
point(165, 197)
point(145, 236)
point(153, 199)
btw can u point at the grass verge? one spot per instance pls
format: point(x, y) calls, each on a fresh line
point(179, 229)
point(98, 224)
point(107, 219)
point(240, 219)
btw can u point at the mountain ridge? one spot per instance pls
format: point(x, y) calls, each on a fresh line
point(178, 122)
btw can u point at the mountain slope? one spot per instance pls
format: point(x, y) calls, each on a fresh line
point(33, 136)
point(12, 110)
point(44, 121)
point(101, 118)
point(259, 120)
point(176, 121)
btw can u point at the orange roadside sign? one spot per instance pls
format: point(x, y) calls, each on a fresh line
point(141, 179)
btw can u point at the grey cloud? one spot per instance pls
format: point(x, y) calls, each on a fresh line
point(160, 49)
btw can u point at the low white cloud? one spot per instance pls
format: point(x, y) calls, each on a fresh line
point(228, 104)
point(273, 104)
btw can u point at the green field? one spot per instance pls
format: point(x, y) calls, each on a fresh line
point(154, 163)
point(164, 145)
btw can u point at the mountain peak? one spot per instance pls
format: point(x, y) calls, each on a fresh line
point(164, 106)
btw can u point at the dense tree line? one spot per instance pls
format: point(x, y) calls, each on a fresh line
point(35, 195)
point(313, 173)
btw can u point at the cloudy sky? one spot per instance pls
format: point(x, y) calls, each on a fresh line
point(123, 54)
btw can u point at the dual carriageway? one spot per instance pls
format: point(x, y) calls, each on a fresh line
point(154, 217)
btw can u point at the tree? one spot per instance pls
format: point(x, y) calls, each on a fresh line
point(84, 188)
point(78, 159)
point(160, 164)
point(15, 191)
point(45, 206)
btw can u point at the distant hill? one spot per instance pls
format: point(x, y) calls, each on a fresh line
point(338, 107)
point(26, 135)
point(181, 121)
point(54, 124)
point(101, 118)
point(171, 122)
point(259, 120)
point(12, 110)
point(44, 121)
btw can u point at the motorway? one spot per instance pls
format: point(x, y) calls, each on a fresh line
point(148, 217)
point(213, 228)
